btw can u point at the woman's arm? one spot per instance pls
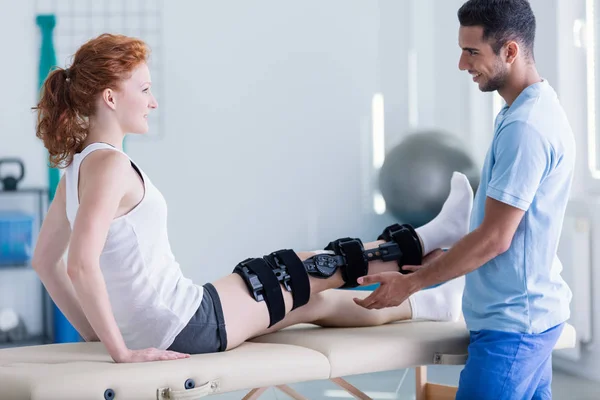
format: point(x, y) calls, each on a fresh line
point(48, 263)
point(105, 178)
point(102, 185)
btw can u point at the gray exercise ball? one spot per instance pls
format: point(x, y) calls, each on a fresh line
point(415, 177)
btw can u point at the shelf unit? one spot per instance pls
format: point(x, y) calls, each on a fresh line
point(34, 340)
point(39, 200)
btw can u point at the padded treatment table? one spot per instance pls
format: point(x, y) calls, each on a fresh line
point(297, 354)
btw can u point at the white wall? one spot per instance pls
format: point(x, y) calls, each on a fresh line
point(19, 70)
point(268, 128)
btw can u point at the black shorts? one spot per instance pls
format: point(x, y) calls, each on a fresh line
point(205, 332)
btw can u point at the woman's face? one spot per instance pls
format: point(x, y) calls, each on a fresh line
point(135, 100)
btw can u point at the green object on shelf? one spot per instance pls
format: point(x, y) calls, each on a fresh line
point(63, 330)
point(46, 23)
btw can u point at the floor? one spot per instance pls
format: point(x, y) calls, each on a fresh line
point(400, 385)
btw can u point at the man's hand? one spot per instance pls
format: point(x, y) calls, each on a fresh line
point(394, 287)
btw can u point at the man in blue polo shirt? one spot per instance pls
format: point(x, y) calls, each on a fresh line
point(515, 302)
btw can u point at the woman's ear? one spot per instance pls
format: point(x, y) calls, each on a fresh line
point(108, 97)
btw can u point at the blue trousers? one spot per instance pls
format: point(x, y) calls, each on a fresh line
point(506, 365)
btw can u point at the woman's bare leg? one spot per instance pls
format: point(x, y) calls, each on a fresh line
point(246, 318)
point(335, 308)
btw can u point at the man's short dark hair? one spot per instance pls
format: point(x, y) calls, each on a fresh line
point(502, 21)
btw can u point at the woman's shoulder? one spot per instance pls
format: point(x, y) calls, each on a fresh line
point(105, 161)
point(105, 168)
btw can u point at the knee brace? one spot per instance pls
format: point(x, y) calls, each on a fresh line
point(403, 245)
point(264, 276)
point(351, 260)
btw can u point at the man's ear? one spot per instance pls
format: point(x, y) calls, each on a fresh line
point(512, 50)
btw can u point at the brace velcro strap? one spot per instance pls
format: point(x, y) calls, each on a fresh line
point(387, 232)
point(410, 245)
point(271, 289)
point(356, 263)
point(299, 283)
point(254, 285)
point(405, 236)
point(335, 245)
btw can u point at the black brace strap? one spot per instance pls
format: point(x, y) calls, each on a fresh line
point(409, 252)
point(387, 232)
point(410, 245)
point(293, 275)
point(263, 284)
point(356, 263)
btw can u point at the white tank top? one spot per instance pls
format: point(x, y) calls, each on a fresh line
point(151, 299)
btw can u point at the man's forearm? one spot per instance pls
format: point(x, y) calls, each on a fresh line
point(59, 286)
point(468, 254)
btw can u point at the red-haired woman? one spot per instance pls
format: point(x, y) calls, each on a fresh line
point(122, 285)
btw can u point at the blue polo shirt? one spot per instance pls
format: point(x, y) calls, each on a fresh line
point(528, 166)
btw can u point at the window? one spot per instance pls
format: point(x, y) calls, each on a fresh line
point(592, 89)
